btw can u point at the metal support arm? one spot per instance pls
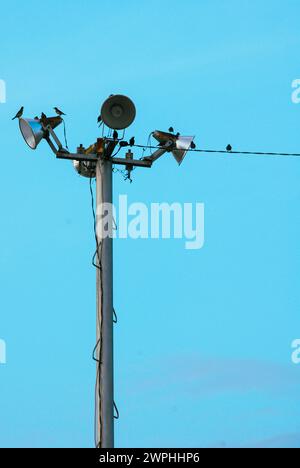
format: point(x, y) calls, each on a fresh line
point(160, 152)
point(95, 157)
point(51, 132)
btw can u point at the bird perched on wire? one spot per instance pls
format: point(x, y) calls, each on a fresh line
point(115, 135)
point(193, 145)
point(132, 141)
point(59, 112)
point(229, 148)
point(19, 113)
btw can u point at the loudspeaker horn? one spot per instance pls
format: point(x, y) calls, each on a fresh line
point(118, 112)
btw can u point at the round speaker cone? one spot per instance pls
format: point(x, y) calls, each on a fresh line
point(118, 112)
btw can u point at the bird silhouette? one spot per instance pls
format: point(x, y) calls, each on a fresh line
point(19, 114)
point(99, 120)
point(171, 130)
point(36, 118)
point(115, 135)
point(193, 145)
point(132, 141)
point(58, 111)
point(229, 148)
point(43, 119)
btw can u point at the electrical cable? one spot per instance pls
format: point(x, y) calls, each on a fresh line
point(258, 153)
point(98, 254)
point(118, 150)
point(101, 327)
point(119, 171)
point(65, 134)
point(115, 319)
point(117, 415)
point(94, 351)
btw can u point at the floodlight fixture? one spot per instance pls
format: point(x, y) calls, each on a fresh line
point(32, 132)
point(35, 130)
point(178, 145)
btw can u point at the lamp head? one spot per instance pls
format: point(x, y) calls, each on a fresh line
point(33, 130)
point(181, 144)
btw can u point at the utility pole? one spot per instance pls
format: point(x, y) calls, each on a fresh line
point(104, 351)
point(96, 161)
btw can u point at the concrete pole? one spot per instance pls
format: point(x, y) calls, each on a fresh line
point(105, 372)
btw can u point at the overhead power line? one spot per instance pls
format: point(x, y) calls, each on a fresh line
point(249, 153)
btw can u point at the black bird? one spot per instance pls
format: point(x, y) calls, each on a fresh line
point(132, 141)
point(171, 130)
point(229, 148)
point(193, 145)
point(58, 111)
point(123, 144)
point(43, 118)
point(115, 135)
point(19, 114)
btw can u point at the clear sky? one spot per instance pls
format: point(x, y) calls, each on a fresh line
point(203, 343)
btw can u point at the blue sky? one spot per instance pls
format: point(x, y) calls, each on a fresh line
point(203, 344)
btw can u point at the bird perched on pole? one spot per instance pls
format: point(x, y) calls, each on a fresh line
point(43, 119)
point(19, 113)
point(58, 111)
